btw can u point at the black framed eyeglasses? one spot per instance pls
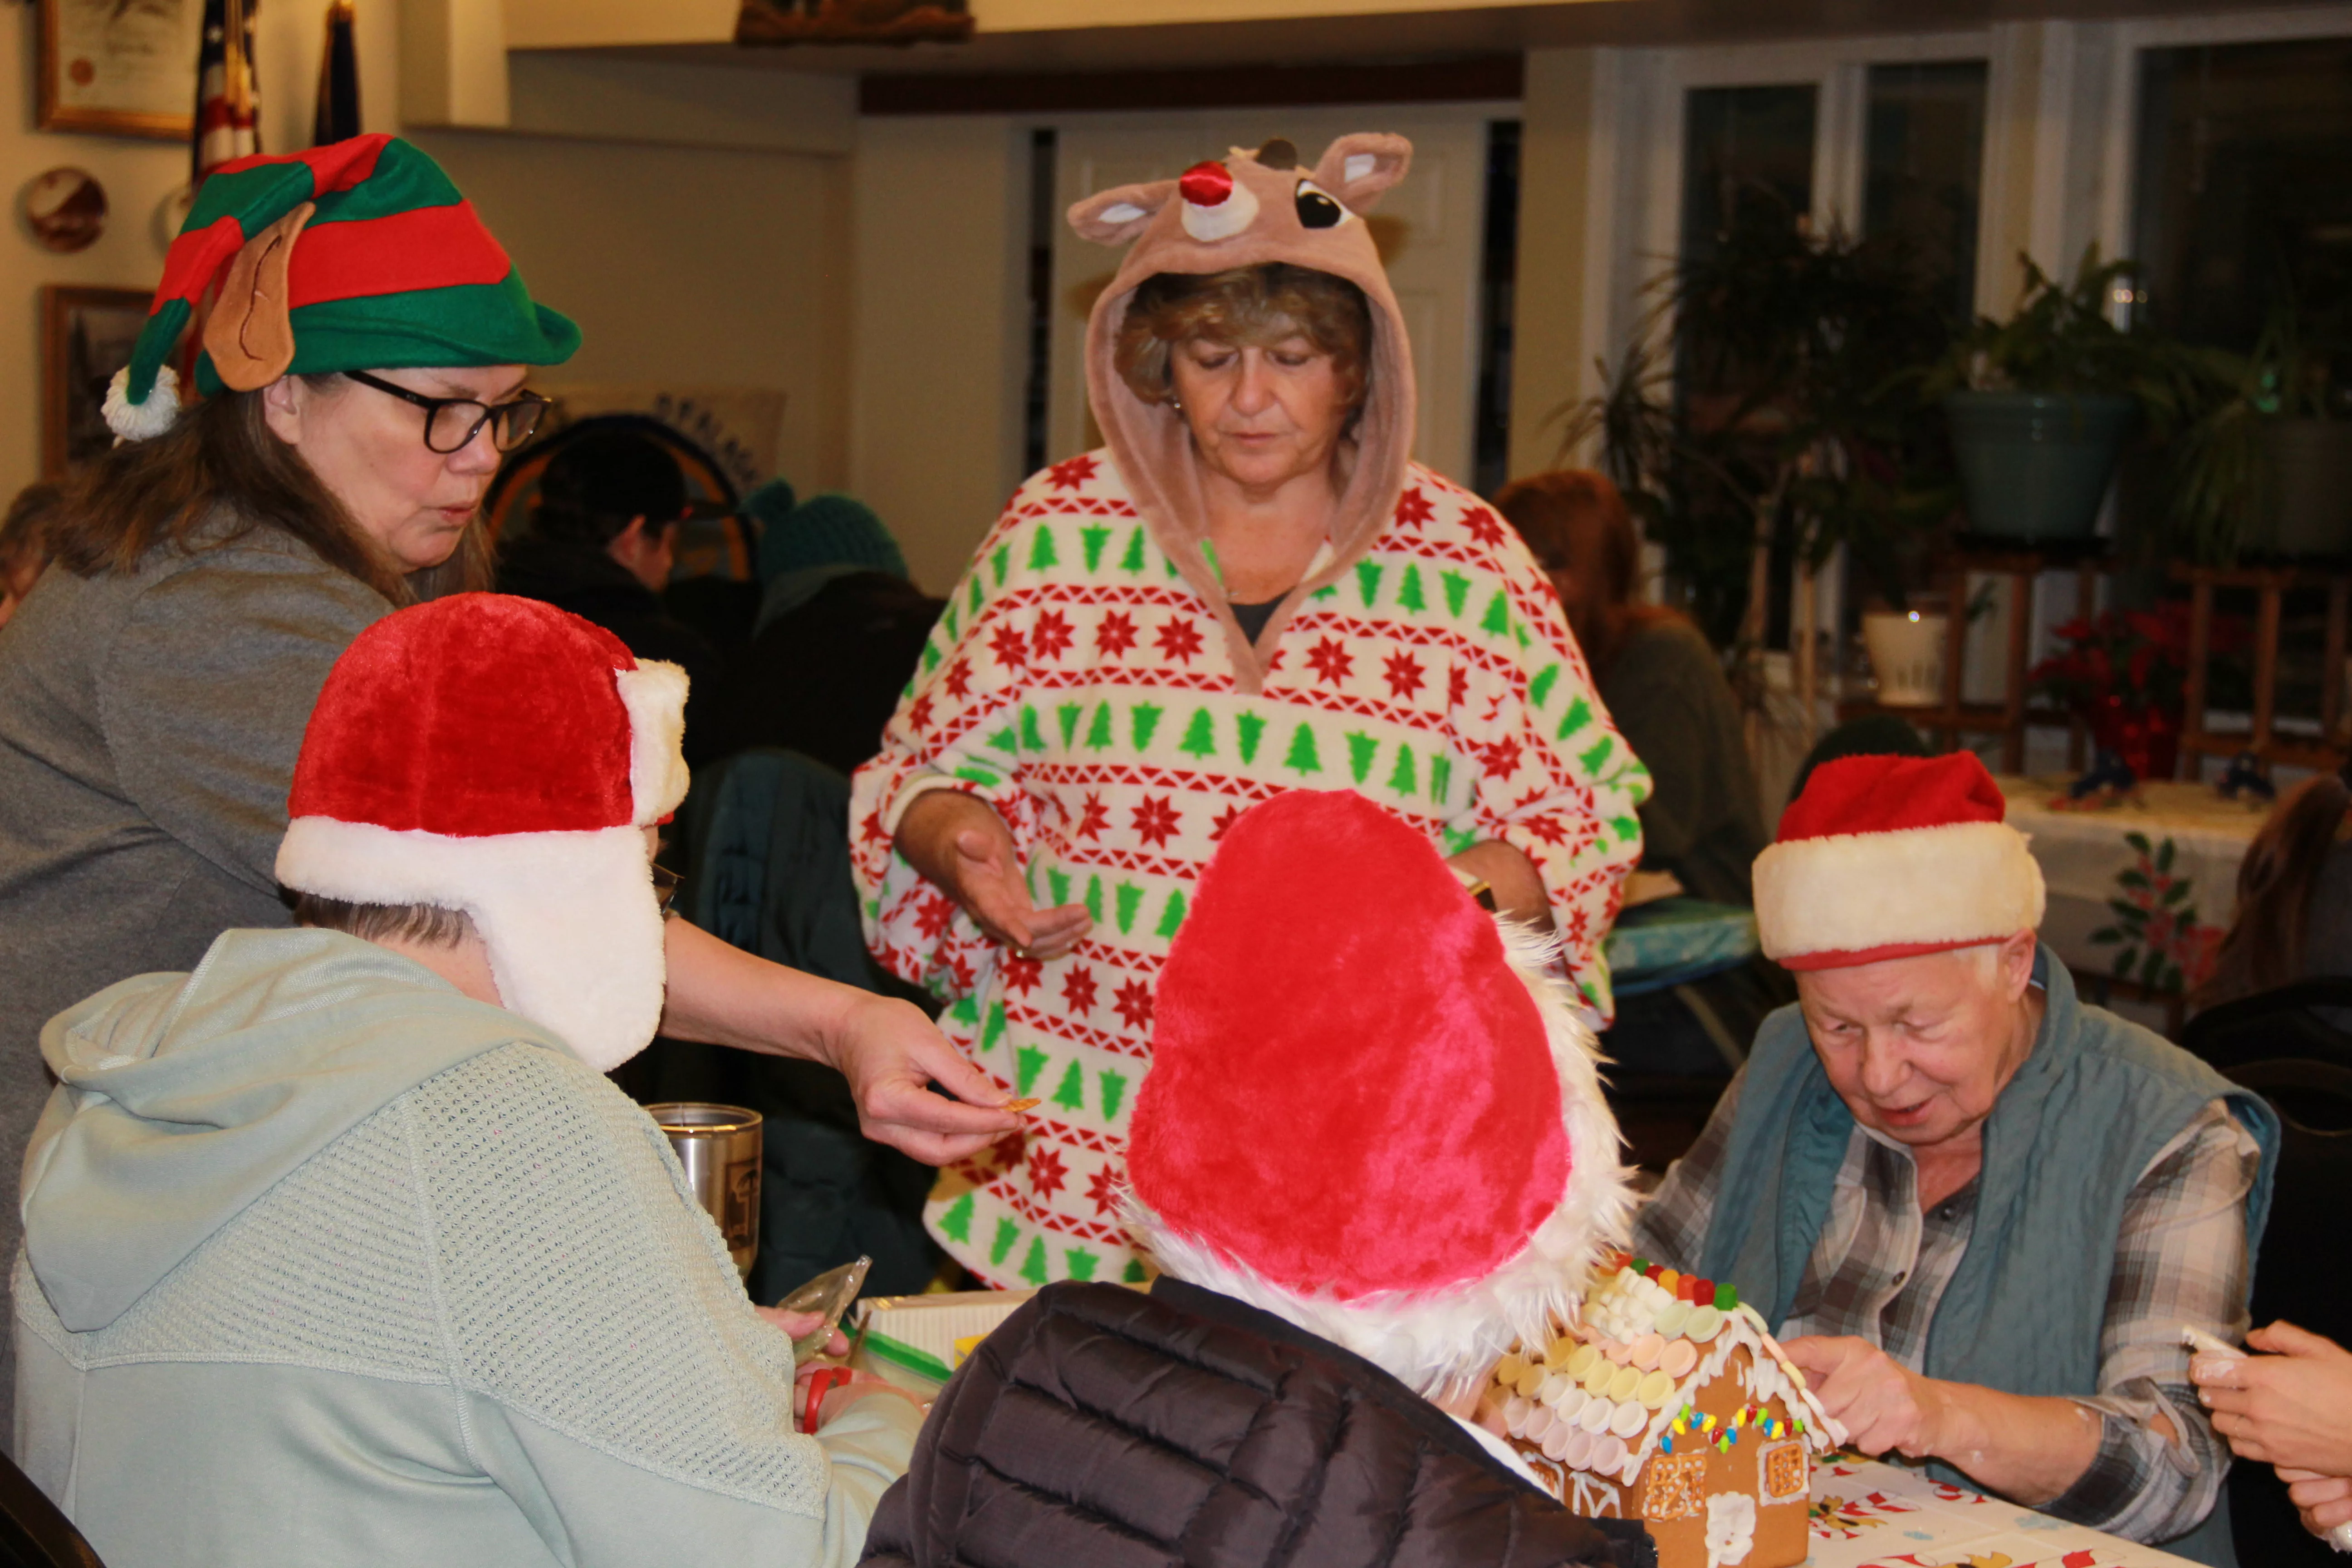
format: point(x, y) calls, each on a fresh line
point(666, 885)
point(451, 422)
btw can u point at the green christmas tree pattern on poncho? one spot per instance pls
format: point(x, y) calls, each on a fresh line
point(1085, 691)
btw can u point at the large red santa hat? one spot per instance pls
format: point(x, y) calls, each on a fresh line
point(500, 756)
point(1372, 1109)
point(1884, 857)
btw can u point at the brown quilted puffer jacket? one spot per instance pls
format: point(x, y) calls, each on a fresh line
point(1103, 1429)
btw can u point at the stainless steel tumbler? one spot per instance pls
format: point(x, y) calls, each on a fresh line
point(719, 1147)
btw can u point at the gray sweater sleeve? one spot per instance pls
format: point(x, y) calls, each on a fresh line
point(205, 693)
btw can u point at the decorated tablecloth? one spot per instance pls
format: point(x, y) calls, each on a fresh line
point(2140, 889)
point(1870, 1514)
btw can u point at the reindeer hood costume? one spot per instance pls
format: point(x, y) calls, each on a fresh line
point(1245, 210)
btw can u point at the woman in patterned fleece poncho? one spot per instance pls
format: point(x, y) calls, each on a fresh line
point(1250, 589)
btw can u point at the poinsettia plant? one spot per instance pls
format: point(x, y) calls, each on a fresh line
point(2135, 659)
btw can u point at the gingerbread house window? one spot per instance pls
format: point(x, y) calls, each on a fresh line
point(1677, 1486)
point(1782, 1471)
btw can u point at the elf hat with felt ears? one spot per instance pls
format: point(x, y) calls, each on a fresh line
point(1885, 857)
point(1372, 1111)
point(502, 757)
point(360, 254)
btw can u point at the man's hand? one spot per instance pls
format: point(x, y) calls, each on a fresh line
point(890, 1054)
point(1882, 1404)
point(963, 848)
point(2027, 1448)
point(2292, 1408)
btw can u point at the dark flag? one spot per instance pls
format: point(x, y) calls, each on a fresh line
point(338, 116)
point(228, 107)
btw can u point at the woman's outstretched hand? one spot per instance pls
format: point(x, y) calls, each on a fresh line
point(2292, 1408)
point(963, 848)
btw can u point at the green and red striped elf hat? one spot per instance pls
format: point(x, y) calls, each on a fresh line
point(360, 254)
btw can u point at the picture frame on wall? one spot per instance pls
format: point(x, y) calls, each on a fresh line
point(87, 334)
point(119, 67)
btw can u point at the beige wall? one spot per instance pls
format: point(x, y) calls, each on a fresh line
point(939, 322)
point(138, 176)
point(711, 266)
point(1560, 188)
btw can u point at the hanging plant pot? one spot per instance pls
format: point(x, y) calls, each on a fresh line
point(2035, 466)
point(1907, 655)
point(2311, 478)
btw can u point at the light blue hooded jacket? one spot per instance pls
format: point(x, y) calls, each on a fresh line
point(326, 1263)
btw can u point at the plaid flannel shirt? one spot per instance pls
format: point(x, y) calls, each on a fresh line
point(1880, 1265)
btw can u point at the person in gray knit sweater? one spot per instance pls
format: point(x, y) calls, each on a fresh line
point(342, 1249)
point(155, 686)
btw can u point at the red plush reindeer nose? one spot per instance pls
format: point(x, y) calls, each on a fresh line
point(1206, 184)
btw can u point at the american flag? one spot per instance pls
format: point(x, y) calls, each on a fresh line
point(227, 106)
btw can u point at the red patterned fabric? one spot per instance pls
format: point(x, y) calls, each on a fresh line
point(408, 735)
point(423, 248)
point(1351, 1093)
point(1888, 794)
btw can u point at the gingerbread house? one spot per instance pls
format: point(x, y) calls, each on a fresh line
point(1669, 1402)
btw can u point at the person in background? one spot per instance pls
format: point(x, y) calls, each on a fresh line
point(601, 545)
point(1977, 1212)
point(1663, 686)
point(1252, 588)
point(835, 598)
point(1342, 1270)
point(428, 1288)
point(211, 567)
point(2295, 896)
point(23, 545)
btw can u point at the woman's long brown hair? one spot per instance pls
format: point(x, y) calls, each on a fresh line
point(2264, 948)
point(222, 455)
point(1574, 520)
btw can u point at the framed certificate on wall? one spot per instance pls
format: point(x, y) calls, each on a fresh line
point(119, 67)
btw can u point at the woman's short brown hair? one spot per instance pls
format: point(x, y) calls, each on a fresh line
point(1246, 307)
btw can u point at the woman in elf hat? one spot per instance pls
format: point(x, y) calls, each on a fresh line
point(362, 370)
point(1252, 588)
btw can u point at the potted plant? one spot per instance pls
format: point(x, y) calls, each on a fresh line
point(2125, 675)
point(1763, 405)
point(2265, 461)
point(2040, 405)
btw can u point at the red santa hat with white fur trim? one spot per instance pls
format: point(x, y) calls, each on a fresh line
point(1372, 1108)
point(1884, 857)
point(502, 757)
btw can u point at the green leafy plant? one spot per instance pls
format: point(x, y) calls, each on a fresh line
point(2060, 339)
point(1763, 401)
point(2220, 477)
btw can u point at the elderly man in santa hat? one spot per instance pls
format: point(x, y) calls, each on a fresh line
point(342, 1248)
point(1371, 1154)
point(1978, 1211)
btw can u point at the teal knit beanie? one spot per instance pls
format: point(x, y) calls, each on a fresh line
point(823, 531)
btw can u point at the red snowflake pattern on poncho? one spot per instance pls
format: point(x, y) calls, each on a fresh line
point(1084, 689)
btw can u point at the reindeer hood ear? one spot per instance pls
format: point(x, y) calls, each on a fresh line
point(1359, 168)
point(1244, 210)
point(1118, 217)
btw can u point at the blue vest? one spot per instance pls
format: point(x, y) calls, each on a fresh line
point(2068, 1138)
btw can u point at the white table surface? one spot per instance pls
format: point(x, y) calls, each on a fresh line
point(1870, 1514)
point(2085, 853)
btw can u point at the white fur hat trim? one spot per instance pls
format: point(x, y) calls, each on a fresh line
point(574, 934)
point(1918, 887)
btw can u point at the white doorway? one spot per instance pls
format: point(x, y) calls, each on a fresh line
point(1429, 230)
